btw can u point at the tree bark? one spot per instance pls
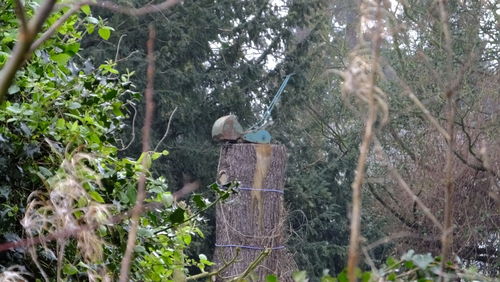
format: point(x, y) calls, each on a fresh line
point(253, 219)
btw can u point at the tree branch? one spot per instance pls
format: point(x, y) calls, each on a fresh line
point(447, 234)
point(265, 253)
point(141, 189)
point(355, 228)
point(215, 272)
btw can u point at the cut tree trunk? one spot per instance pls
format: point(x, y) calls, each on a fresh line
point(253, 219)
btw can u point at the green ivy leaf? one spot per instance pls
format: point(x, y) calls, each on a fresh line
point(271, 278)
point(86, 9)
point(90, 28)
point(167, 199)
point(74, 105)
point(131, 194)
point(342, 277)
point(177, 216)
point(198, 200)
point(92, 20)
point(104, 32)
point(328, 278)
point(94, 195)
point(13, 89)
point(187, 239)
point(139, 249)
point(72, 48)
point(203, 259)
point(70, 269)
point(61, 59)
point(15, 108)
point(366, 276)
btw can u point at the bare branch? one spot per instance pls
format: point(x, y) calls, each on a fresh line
point(146, 129)
point(404, 234)
point(355, 233)
point(394, 212)
point(447, 234)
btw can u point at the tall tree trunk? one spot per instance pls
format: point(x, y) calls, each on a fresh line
point(253, 219)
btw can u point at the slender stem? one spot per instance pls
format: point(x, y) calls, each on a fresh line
point(146, 132)
point(264, 254)
point(166, 131)
point(447, 233)
point(215, 272)
point(355, 232)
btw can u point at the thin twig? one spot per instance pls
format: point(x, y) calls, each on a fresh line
point(166, 131)
point(133, 129)
point(215, 272)
point(118, 47)
point(264, 254)
point(146, 129)
point(399, 235)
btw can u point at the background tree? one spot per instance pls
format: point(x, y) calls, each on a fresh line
point(230, 56)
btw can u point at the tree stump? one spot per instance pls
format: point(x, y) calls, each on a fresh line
point(253, 219)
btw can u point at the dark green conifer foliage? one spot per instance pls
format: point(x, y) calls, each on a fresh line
point(221, 57)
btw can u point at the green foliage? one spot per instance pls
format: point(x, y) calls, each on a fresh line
point(411, 267)
point(59, 131)
point(55, 105)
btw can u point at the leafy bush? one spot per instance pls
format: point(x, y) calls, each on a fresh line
point(59, 131)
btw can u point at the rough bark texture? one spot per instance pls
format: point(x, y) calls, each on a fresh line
point(251, 217)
